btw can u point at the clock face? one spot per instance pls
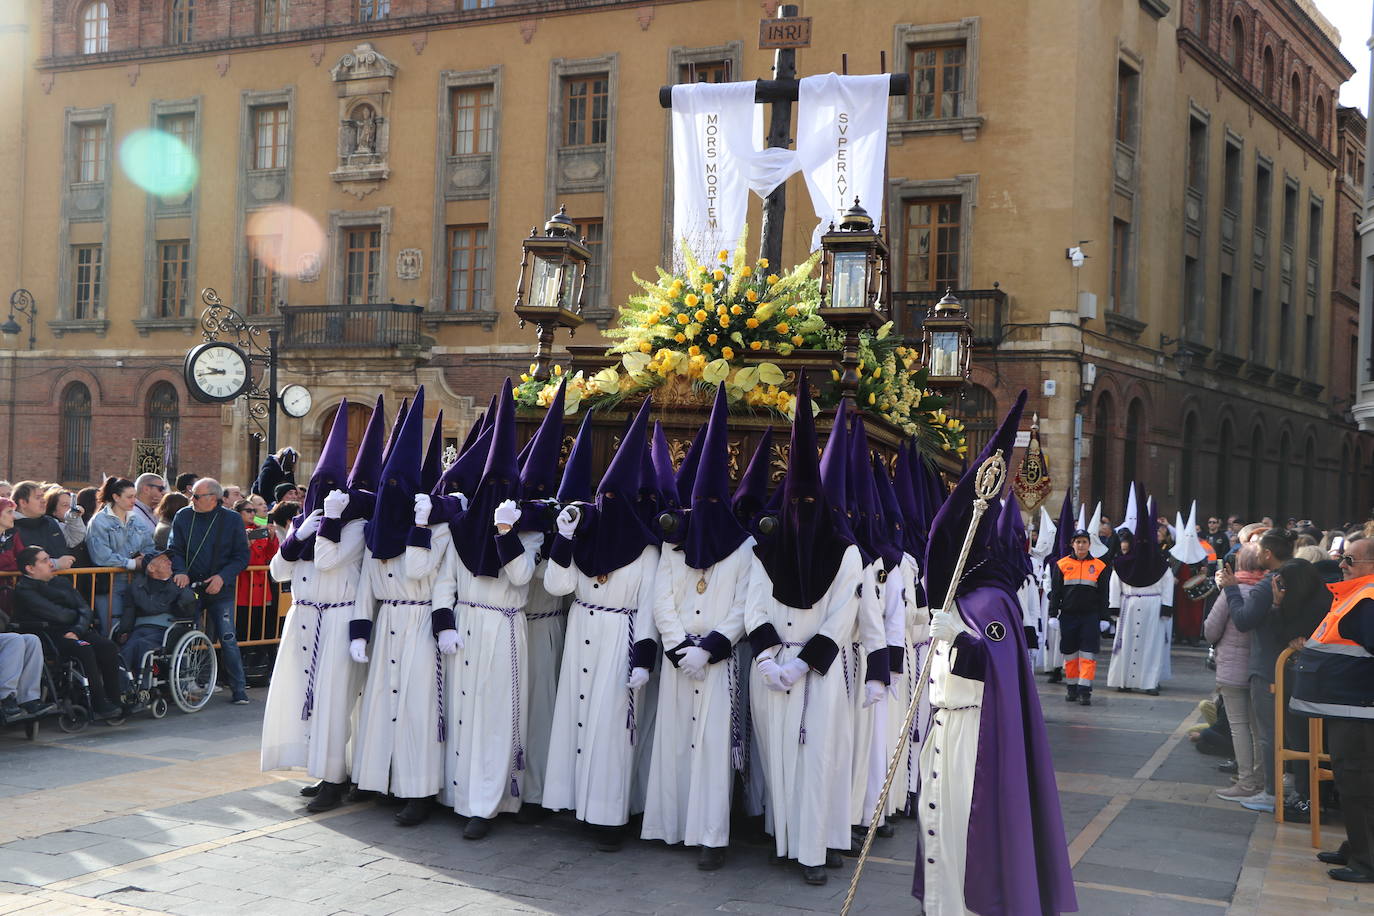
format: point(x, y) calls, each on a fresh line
point(216, 372)
point(295, 400)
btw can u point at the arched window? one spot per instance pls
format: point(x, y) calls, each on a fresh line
point(1186, 490)
point(181, 22)
point(1267, 73)
point(1295, 97)
point(1237, 56)
point(1225, 471)
point(1102, 441)
point(1319, 109)
point(1135, 424)
point(95, 28)
point(76, 433)
point(980, 417)
point(358, 415)
point(1202, 18)
point(1252, 496)
point(164, 420)
point(1283, 494)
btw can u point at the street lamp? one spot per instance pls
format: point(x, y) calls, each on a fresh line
point(947, 341)
point(853, 268)
point(553, 281)
point(21, 301)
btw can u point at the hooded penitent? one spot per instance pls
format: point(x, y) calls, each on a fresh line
point(868, 513)
point(1188, 549)
point(539, 469)
point(1144, 565)
point(363, 479)
point(394, 514)
point(474, 532)
point(911, 499)
point(614, 534)
point(1046, 537)
point(576, 485)
point(1011, 541)
point(665, 483)
point(330, 470)
point(712, 530)
point(834, 469)
point(1063, 543)
point(802, 556)
point(474, 432)
point(687, 473)
point(1017, 861)
point(396, 428)
point(434, 456)
point(751, 495)
point(890, 521)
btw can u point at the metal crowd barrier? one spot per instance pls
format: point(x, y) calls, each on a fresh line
point(1318, 762)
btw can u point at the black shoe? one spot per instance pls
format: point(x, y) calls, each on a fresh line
point(814, 874)
point(1298, 812)
point(1228, 766)
point(1332, 858)
point(833, 859)
point(312, 791)
point(610, 839)
point(391, 801)
point(329, 797)
point(777, 860)
point(476, 828)
point(531, 813)
point(1072, 695)
point(107, 711)
point(37, 708)
point(1153, 691)
point(710, 858)
point(356, 795)
point(1085, 697)
point(10, 711)
point(1057, 676)
point(416, 811)
point(1351, 875)
point(886, 831)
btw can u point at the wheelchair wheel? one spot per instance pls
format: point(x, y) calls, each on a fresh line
point(191, 671)
point(158, 707)
point(74, 719)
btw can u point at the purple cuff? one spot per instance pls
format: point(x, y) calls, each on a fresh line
point(878, 666)
point(561, 552)
point(331, 529)
point(291, 548)
point(971, 659)
point(717, 645)
point(444, 509)
point(764, 638)
point(508, 547)
point(819, 652)
point(442, 619)
point(896, 659)
point(643, 654)
point(359, 629)
point(419, 537)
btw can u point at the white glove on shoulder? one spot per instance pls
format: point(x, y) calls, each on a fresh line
point(423, 506)
point(873, 692)
point(449, 641)
point(943, 626)
point(310, 524)
point(567, 521)
point(772, 674)
point(694, 662)
point(335, 503)
point(638, 678)
point(507, 513)
point(357, 650)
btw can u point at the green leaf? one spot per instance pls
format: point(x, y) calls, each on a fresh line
point(770, 374)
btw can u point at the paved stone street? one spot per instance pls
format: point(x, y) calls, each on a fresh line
point(174, 817)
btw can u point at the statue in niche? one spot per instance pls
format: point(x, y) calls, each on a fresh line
point(364, 124)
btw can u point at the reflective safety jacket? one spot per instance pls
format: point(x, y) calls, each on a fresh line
point(1335, 673)
point(1077, 587)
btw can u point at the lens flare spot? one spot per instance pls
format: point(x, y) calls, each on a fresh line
point(287, 240)
point(159, 162)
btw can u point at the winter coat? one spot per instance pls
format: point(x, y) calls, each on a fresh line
point(1232, 646)
point(253, 589)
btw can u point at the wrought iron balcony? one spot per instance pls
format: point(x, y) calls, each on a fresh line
point(351, 327)
point(987, 309)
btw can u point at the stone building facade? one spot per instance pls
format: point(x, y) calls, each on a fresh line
point(356, 153)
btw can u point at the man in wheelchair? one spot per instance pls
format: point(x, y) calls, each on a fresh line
point(48, 603)
point(155, 602)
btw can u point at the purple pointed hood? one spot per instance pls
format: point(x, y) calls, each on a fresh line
point(665, 483)
point(911, 502)
point(1146, 563)
point(926, 477)
point(394, 514)
point(802, 556)
point(474, 433)
point(615, 535)
point(396, 428)
point(367, 466)
point(474, 531)
point(889, 519)
point(713, 532)
point(464, 474)
point(867, 526)
point(834, 468)
point(539, 474)
point(751, 495)
point(951, 522)
point(434, 456)
point(686, 475)
point(1063, 532)
point(1010, 546)
point(648, 498)
point(330, 473)
point(576, 485)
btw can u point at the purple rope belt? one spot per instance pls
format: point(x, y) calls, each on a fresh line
point(737, 750)
point(517, 746)
point(438, 665)
point(309, 707)
point(806, 693)
point(630, 614)
point(546, 615)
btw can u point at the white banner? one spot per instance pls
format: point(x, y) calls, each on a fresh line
point(842, 144)
point(715, 131)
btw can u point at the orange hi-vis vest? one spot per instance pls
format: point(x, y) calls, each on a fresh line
point(1211, 551)
point(1335, 675)
point(1081, 572)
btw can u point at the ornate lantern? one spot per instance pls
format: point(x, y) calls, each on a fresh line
point(947, 342)
point(853, 271)
point(553, 278)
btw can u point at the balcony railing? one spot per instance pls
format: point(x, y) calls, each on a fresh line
point(351, 327)
point(987, 309)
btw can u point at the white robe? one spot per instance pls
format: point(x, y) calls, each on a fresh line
point(1050, 657)
point(1141, 646)
point(546, 623)
point(315, 638)
point(804, 731)
point(399, 748)
point(487, 686)
point(691, 773)
point(591, 767)
point(949, 759)
point(915, 621)
point(869, 636)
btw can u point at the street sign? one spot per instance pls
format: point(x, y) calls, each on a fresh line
point(785, 32)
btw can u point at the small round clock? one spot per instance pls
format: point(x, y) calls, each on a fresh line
point(295, 400)
point(216, 372)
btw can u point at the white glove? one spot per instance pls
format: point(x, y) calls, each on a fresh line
point(462, 500)
point(449, 641)
point(131, 564)
point(310, 524)
point(873, 692)
point(335, 503)
point(943, 626)
point(357, 650)
point(638, 678)
point(508, 513)
point(567, 521)
point(1104, 626)
point(772, 674)
point(423, 506)
point(793, 671)
point(694, 662)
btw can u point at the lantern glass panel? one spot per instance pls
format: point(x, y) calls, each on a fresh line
point(849, 286)
point(547, 281)
point(944, 353)
point(570, 273)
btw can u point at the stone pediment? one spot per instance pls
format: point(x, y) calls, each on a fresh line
point(363, 62)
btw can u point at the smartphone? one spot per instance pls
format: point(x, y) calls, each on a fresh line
point(1229, 562)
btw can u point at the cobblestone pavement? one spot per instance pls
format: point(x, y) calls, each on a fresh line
point(172, 816)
